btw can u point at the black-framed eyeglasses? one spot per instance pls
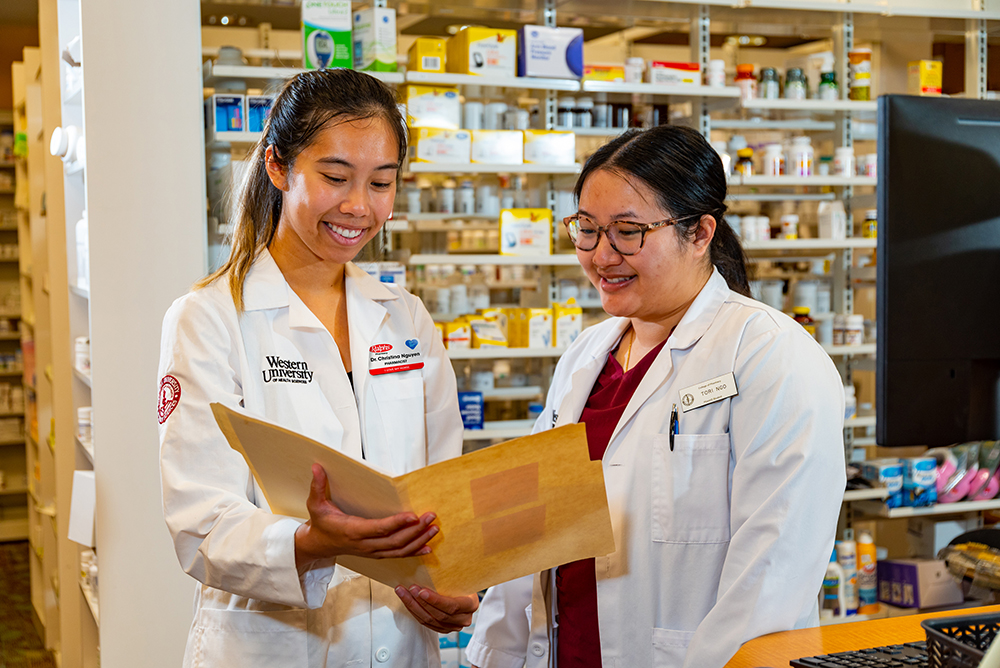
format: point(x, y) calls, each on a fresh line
point(625, 236)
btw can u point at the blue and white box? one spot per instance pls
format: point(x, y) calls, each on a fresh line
point(225, 113)
point(258, 109)
point(470, 405)
point(919, 481)
point(887, 473)
point(556, 53)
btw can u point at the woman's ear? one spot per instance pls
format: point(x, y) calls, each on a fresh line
point(275, 170)
point(704, 232)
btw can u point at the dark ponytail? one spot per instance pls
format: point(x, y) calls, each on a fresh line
point(686, 173)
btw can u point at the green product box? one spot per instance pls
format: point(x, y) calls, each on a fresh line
point(375, 39)
point(326, 34)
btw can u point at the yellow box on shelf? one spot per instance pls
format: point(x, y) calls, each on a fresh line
point(499, 316)
point(567, 323)
point(486, 334)
point(526, 232)
point(498, 147)
point(428, 54)
point(457, 335)
point(549, 147)
point(483, 51)
point(924, 77)
point(437, 145)
point(597, 72)
point(433, 107)
point(539, 327)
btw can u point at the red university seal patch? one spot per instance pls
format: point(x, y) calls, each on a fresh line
point(170, 396)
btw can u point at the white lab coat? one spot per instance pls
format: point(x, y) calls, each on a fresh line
point(252, 608)
point(721, 540)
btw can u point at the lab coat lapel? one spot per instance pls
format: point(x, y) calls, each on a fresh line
point(689, 330)
point(583, 379)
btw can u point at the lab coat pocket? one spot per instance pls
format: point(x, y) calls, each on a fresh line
point(670, 647)
point(401, 418)
point(249, 638)
point(690, 493)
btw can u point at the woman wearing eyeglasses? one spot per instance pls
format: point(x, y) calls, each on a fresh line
point(719, 422)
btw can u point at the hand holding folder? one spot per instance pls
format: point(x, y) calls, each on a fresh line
point(505, 511)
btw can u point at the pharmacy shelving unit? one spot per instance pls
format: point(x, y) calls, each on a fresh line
point(146, 246)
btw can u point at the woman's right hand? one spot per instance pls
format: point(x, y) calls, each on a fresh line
point(330, 532)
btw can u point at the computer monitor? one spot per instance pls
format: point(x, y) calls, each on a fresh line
point(938, 306)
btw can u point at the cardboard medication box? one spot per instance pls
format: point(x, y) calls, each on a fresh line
point(433, 107)
point(375, 39)
point(567, 323)
point(483, 51)
point(446, 146)
point(887, 473)
point(470, 406)
point(917, 583)
point(666, 74)
point(549, 147)
point(326, 34)
point(486, 334)
point(603, 73)
point(500, 147)
point(919, 481)
point(225, 113)
point(457, 335)
point(556, 53)
point(526, 232)
point(924, 77)
point(427, 54)
point(539, 327)
point(258, 109)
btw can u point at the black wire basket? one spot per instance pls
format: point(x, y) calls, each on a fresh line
point(959, 642)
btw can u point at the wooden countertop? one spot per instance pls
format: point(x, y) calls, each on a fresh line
point(777, 649)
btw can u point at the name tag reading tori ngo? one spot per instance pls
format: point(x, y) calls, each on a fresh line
point(387, 358)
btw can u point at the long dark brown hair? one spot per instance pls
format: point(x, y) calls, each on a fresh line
point(307, 103)
point(688, 178)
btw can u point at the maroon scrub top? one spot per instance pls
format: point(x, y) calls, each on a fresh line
point(579, 642)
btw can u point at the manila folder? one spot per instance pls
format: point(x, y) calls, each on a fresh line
point(505, 511)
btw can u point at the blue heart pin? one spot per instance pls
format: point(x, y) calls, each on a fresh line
point(412, 343)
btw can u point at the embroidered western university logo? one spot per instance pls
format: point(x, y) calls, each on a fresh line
point(286, 371)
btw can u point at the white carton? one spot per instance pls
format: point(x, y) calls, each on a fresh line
point(435, 145)
point(326, 34)
point(550, 52)
point(375, 39)
point(500, 147)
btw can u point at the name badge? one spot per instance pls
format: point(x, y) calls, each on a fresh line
point(708, 392)
point(390, 358)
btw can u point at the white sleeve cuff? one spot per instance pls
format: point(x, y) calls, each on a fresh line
point(311, 585)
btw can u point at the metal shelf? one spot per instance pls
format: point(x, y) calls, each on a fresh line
point(562, 260)
point(814, 181)
point(88, 595)
point(451, 79)
point(752, 124)
point(512, 393)
point(504, 429)
point(815, 106)
point(422, 216)
point(592, 132)
point(88, 449)
point(260, 77)
point(499, 352)
point(876, 509)
point(234, 137)
point(79, 292)
point(862, 421)
point(83, 376)
point(875, 493)
point(685, 92)
point(809, 244)
point(863, 349)
point(488, 168)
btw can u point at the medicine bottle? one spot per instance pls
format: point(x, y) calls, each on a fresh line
point(854, 330)
point(861, 74)
point(583, 115)
point(795, 84)
point(790, 226)
point(774, 160)
point(746, 81)
point(800, 158)
point(769, 87)
point(801, 316)
point(843, 161)
point(870, 228)
point(566, 117)
point(744, 165)
point(828, 88)
point(715, 75)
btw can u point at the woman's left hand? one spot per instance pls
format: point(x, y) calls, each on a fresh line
point(443, 614)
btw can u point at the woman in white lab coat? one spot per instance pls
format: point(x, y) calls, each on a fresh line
point(283, 329)
point(718, 421)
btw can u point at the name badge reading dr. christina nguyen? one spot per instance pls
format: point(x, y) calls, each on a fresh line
point(389, 358)
point(708, 392)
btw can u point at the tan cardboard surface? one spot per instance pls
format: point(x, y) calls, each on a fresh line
point(509, 510)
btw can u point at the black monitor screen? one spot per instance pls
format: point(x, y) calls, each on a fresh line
point(938, 340)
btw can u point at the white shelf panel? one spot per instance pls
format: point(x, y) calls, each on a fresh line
point(259, 77)
point(879, 510)
point(83, 293)
point(488, 168)
point(82, 376)
point(500, 429)
point(422, 216)
point(561, 260)
point(592, 132)
point(815, 106)
point(875, 493)
point(88, 595)
point(814, 181)
point(499, 352)
point(762, 125)
point(88, 449)
point(451, 79)
point(686, 91)
point(235, 137)
point(808, 244)
point(863, 349)
point(781, 197)
point(512, 393)
point(862, 421)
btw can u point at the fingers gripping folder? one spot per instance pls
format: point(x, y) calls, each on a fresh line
point(505, 511)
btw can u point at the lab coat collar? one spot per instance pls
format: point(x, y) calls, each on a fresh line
point(701, 314)
point(265, 288)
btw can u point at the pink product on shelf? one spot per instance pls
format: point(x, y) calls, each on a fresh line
point(989, 485)
point(952, 484)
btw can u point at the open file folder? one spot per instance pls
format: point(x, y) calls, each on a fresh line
point(509, 510)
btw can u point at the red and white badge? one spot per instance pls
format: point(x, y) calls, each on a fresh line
point(389, 358)
point(170, 396)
